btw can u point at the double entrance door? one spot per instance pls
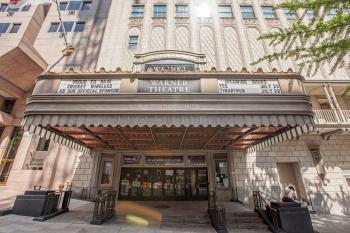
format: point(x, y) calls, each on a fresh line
point(163, 184)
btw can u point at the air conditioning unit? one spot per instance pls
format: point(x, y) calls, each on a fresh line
point(71, 12)
point(61, 34)
point(11, 13)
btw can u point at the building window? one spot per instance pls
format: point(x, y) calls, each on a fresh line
point(43, 144)
point(87, 5)
point(137, 11)
point(7, 160)
point(4, 27)
point(247, 12)
point(290, 15)
point(15, 28)
point(159, 11)
point(63, 6)
point(26, 7)
point(222, 175)
point(3, 7)
point(332, 14)
point(181, 11)
point(68, 26)
point(225, 11)
point(133, 42)
point(74, 5)
point(310, 15)
point(12, 9)
point(8, 106)
point(269, 12)
point(79, 27)
point(54, 27)
point(346, 175)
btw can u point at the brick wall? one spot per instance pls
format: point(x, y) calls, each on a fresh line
point(258, 170)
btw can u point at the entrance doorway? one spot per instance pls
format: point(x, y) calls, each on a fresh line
point(163, 184)
point(289, 174)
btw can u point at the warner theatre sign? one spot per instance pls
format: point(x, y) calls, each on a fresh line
point(169, 67)
point(176, 86)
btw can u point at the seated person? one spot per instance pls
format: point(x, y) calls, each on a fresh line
point(290, 195)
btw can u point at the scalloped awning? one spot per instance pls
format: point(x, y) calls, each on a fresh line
point(75, 120)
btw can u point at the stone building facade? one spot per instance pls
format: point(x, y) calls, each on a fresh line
point(123, 37)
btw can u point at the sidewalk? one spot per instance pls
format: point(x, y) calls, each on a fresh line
point(331, 223)
point(66, 224)
point(77, 221)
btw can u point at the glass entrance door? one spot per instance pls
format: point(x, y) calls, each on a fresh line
point(146, 187)
point(157, 184)
point(180, 184)
point(169, 191)
point(163, 184)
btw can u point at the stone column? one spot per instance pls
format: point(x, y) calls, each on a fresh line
point(241, 30)
point(170, 30)
point(217, 30)
point(194, 31)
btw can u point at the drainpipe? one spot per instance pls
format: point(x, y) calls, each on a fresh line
point(331, 102)
point(340, 111)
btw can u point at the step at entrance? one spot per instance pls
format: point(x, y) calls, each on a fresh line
point(172, 221)
point(164, 214)
point(240, 217)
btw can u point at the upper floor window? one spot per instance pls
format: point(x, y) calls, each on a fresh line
point(63, 6)
point(26, 7)
point(137, 11)
point(74, 5)
point(133, 40)
point(3, 7)
point(269, 12)
point(54, 27)
point(181, 11)
point(87, 5)
point(159, 11)
point(79, 27)
point(4, 27)
point(10, 9)
point(43, 144)
point(15, 28)
point(332, 13)
point(247, 12)
point(310, 14)
point(68, 26)
point(290, 15)
point(225, 11)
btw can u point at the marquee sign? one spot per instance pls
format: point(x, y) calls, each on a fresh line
point(169, 67)
point(247, 87)
point(132, 159)
point(164, 160)
point(89, 87)
point(173, 86)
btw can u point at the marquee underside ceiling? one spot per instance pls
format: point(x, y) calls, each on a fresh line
point(168, 138)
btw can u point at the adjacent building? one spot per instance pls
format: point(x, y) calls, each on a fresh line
point(160, 101)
